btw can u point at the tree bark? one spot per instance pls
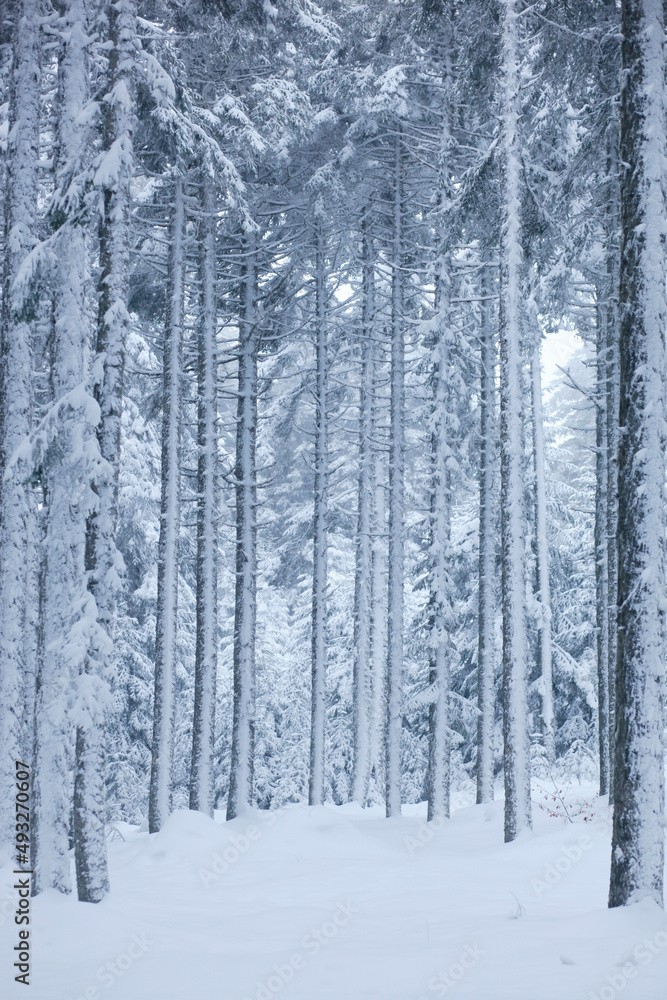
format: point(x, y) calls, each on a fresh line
point(488, 543)
point(440, 617)
point(361, 683)
point(103, 561)
point(66, 489)
point(394, 723)
point(542, 563)
point(17, 522)
point(613, 403)
point(170, 518)
point(206, 649)
point(612, 373)
point(601, 546)
point(318, 711)
point(245, 476)
point(638, 845)
point(512, 503)
point(378, 622)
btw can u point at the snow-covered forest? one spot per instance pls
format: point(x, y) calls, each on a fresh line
point(332, 495)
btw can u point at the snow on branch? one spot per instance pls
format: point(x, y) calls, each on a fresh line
point(78, 413)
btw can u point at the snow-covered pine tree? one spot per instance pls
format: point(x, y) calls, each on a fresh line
point(112, 178)
point(18, 313)
point(245, 483)
point(609, 58)
point(602, 595)
point(361, 680)
point(396, 556)
point(378, 622)
point(516, 757)
point(159, 802)
point(68, 462)
point(62, 566)
point(612, 372)
point(544, 641)
point(206, 657)
point(488, 546)
point(638, 837)
point(608, 309)
point(316, 789)
point(440, 620)
point(440, 583)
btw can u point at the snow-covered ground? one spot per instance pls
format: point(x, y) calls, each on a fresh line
point(339, 904)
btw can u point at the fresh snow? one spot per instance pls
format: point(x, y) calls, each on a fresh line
point(218, 911)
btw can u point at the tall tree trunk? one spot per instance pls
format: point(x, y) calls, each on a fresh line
point(638, 837)
point(66, 501)
point(378, 621)
point(512, 513)
point(103, 561)
point(488, 541)
point(318, 711)
point(542, 562)
point(245, 615)
point(206, 655)
point(613, 403)
point(170, 519)
point(438, 775)
point(607, 403)
point(601, 544)
point(363, 576)
point(394, 725)
point(16, 522)
point(612, 373)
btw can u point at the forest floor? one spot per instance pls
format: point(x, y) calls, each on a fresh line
point(338, 904)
